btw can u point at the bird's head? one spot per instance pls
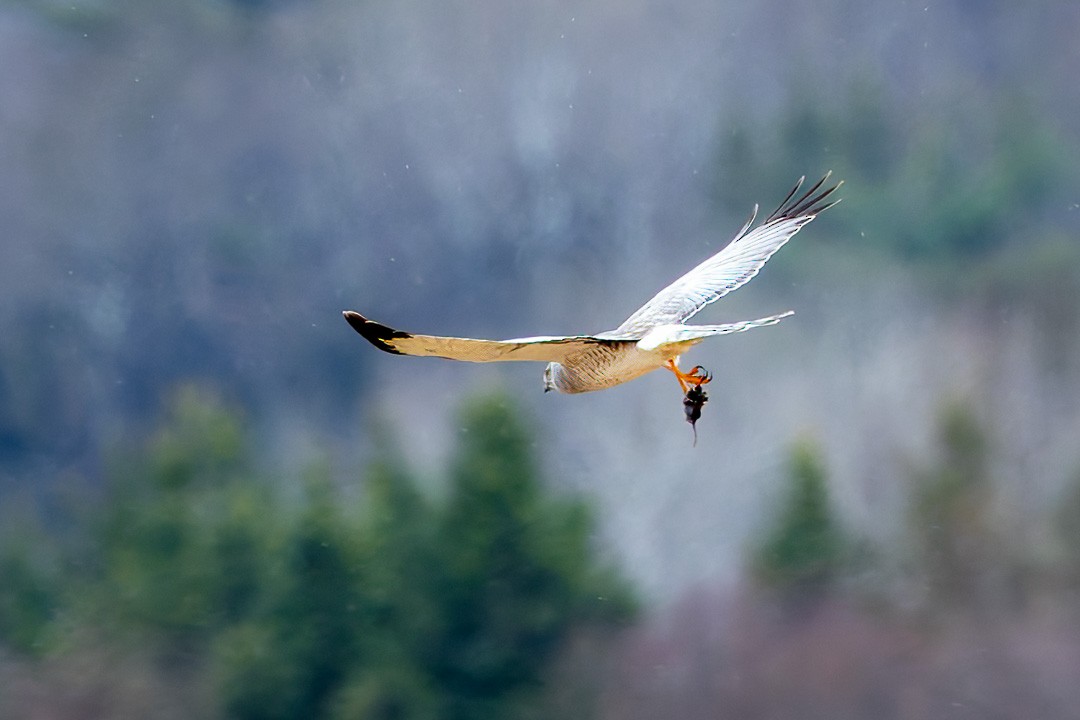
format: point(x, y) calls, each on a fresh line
point(549, 377)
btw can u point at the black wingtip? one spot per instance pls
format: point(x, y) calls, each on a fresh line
point(808, 203)
point(375, 333)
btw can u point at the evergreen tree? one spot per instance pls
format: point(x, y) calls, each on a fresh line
point(803, 552)
point(183, 531)
point(516, 570)
point(309, 637)
point(398, 607)
point(27, 597)
point(950, 515)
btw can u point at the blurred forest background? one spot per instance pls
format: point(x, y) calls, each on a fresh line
point(217, 501)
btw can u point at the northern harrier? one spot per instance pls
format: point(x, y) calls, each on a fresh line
point(653, 337)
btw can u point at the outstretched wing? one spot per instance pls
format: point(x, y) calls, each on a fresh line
point(733, 266)
point(677, 333)
point(543, 349)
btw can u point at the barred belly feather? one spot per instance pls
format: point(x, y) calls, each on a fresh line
point(606, 366)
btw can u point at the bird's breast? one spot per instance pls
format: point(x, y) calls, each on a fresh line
point(604, 366)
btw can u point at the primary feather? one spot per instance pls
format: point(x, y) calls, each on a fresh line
point(733, 266)
point(556, 348)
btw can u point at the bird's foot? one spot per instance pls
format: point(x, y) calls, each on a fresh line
point(699, 376)
point(695, 378)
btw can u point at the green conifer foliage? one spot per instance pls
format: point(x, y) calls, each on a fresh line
point(516, 570)
point(951, 520)
point(804, 550)
point(393, 605)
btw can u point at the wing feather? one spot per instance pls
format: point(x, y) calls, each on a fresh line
point(667, 334)
point(542, 349)
point(733, 266)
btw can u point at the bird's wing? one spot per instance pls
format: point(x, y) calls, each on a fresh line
point(678, 333)
point(733, 266)
point(544, 349)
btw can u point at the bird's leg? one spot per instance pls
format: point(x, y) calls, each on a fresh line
point(679, 375)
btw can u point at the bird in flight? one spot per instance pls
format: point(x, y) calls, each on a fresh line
point(654, 337)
